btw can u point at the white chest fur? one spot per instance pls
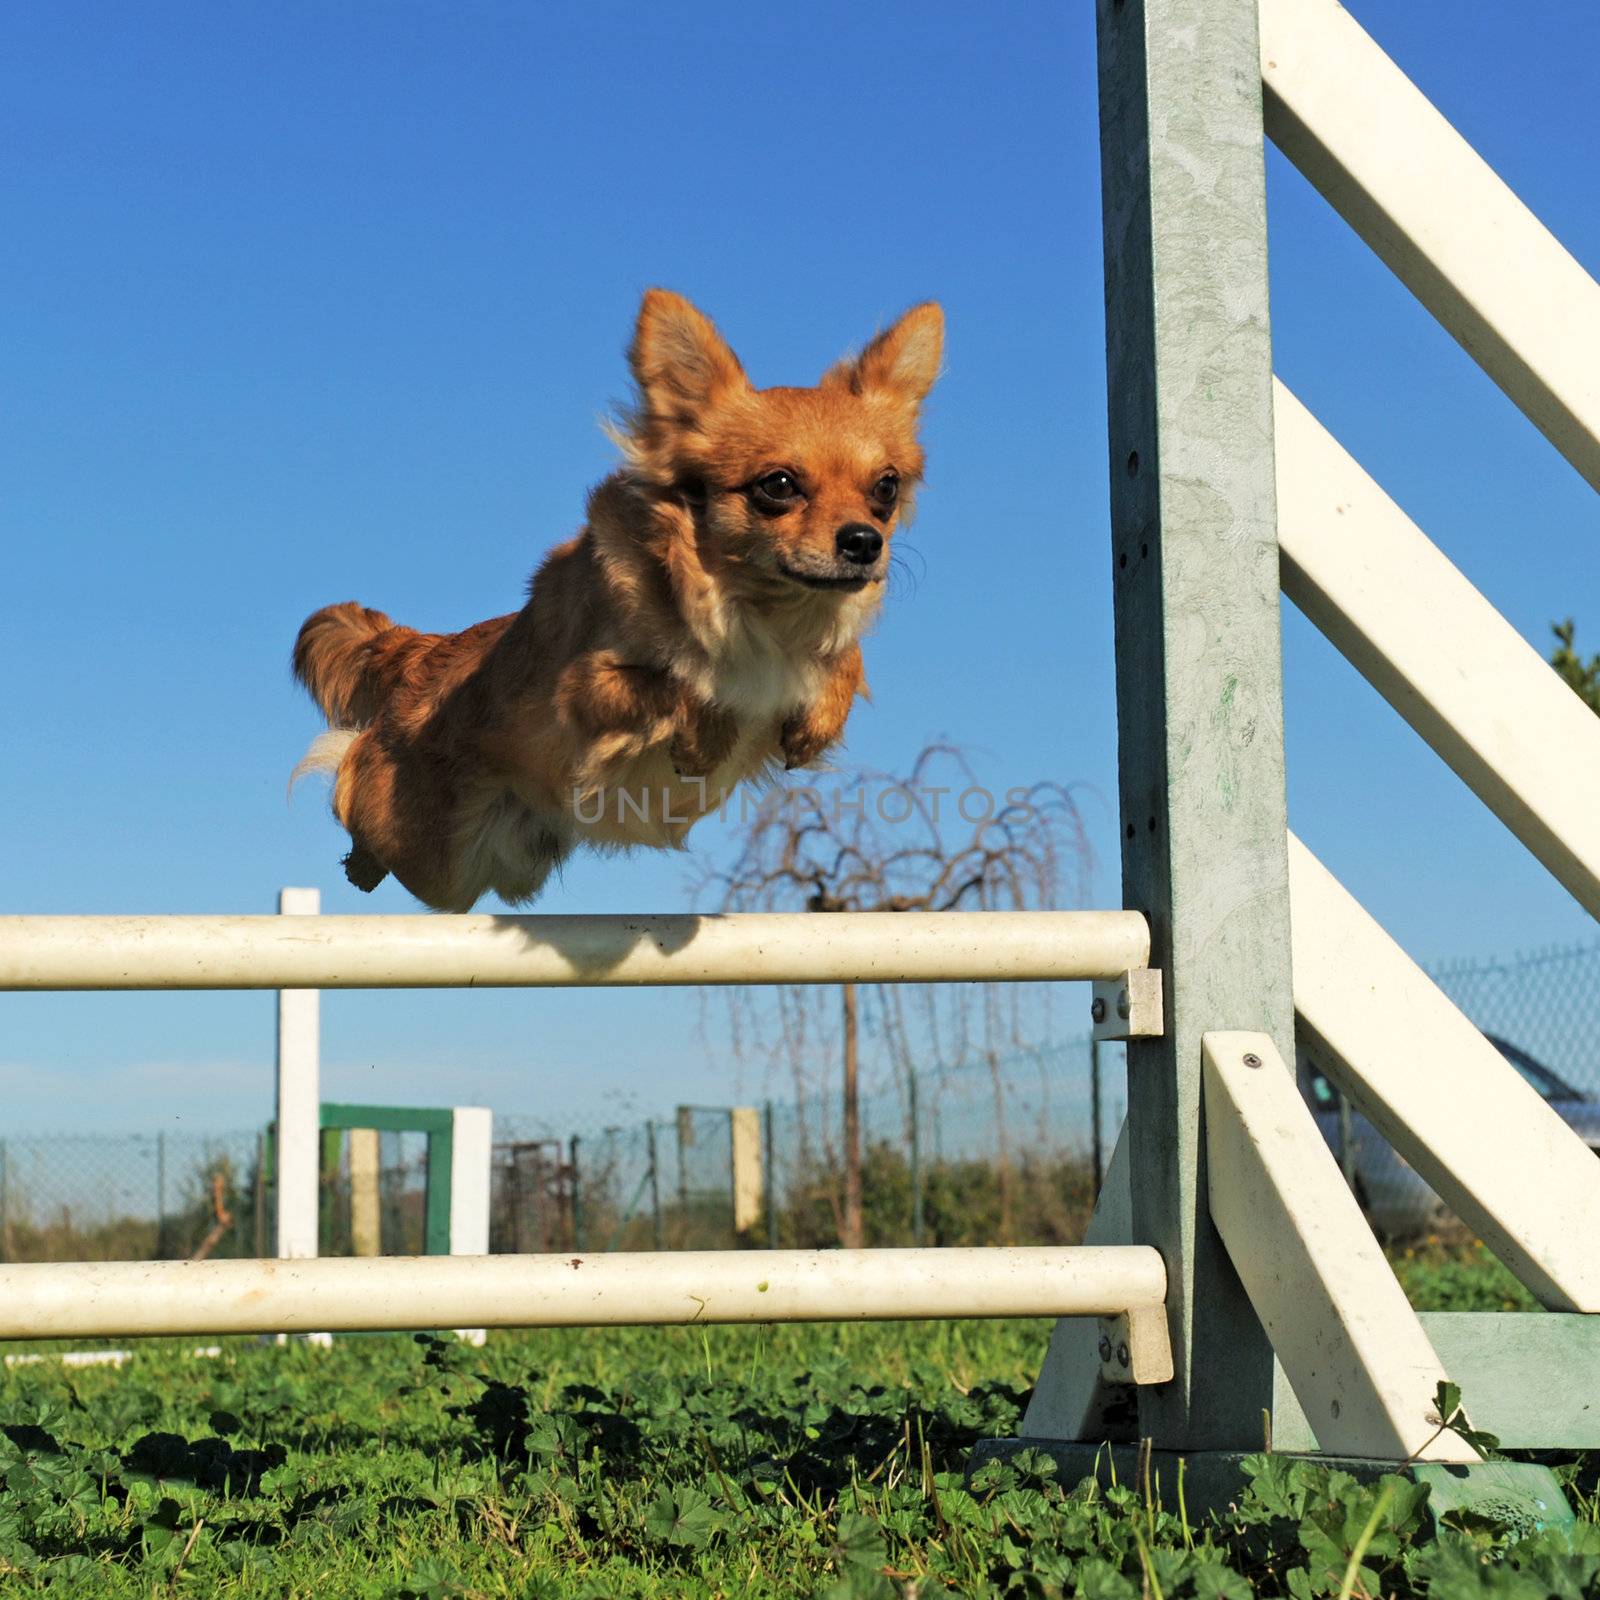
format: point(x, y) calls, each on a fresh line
point(760, 675)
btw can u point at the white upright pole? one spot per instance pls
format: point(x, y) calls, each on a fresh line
point(472, 1145)
point(299, 1100)
point(471, 1156)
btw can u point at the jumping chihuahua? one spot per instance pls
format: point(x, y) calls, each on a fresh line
point(703, 629)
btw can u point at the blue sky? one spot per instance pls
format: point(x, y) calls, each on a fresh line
point(312, 302)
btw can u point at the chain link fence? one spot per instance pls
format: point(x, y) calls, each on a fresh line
point(1542, 1010)
point(1545, 1003)
point(131, 1197)
point(997, 1150)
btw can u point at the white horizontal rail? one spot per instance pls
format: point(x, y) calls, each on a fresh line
point(1437, 214)
point(1437, 651)
point(439, 952)
point(1447, 1100)
point(1361, 1366)
point(123, 1298)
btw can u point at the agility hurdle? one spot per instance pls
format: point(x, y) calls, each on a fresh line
point(1213, 462)
point(301, 953)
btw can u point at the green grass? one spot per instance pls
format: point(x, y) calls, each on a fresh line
point(1439, 1276)
point(655, 1462)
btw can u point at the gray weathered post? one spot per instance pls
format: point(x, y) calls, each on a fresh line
point(917, 1200)
point(1199, 668)
point(655, 1182)
point(577, 1192)
point(770, 1178)
point(1096, 1152)
point(161, 1196)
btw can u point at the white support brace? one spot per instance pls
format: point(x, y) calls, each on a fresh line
point(1360, 1364)
point(1129, 1007)
point(1468, 682)
point(1438, 215)
point(1135, 1347)
point(1442, 1095)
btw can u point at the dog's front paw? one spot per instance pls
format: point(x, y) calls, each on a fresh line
point(362, 868)
point(703, 743)
point(687, 762)
point(801, 741)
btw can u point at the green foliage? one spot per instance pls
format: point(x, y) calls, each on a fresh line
point(1582, 677)
point(1035, 1198)
point(699, 1462)
point(1453, 1419)
point(1463, 1276)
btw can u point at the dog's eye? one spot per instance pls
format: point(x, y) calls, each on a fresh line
point(776, 491)
point(886, 490)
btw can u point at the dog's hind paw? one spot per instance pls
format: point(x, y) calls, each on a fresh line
point(364, 869)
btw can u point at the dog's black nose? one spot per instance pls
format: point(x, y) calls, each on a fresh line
point(858, 542)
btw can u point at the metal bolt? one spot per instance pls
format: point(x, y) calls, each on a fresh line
point(1252, 1059)
point(1124, 1005)
point(1098, 1010)
point(1105, 1348)
point(1122, 1354)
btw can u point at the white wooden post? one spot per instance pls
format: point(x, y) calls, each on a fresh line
point(472, 1143)
point(749, 1188)
point(471, 1159)
point(299, 1100)
point(366, 1226)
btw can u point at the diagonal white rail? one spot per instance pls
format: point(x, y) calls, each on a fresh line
point(431, 952)
point(1438, 216)
point(125, 1298)
point(1467, 681)
point(1488, 1143)
point(1360, 1364)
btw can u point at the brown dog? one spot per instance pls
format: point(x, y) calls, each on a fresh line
point(701, 630)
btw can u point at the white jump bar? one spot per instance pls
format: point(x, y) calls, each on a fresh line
point(95, 1299)
point(1433, 209)
point(464, 952)
point(1468, 682)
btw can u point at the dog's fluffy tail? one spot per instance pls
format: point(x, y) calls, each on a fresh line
point(334, 659)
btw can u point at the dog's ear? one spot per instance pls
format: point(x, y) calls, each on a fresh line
point(679, 360)
point(903, 359)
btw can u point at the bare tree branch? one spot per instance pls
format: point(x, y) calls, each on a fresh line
point(934, 840)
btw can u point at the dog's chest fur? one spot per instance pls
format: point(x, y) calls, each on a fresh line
point(759, 678)
point(644, 801)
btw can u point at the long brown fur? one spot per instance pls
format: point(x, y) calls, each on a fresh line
point(696, 633)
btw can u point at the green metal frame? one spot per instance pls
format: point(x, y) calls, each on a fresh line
point(337, 1117)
